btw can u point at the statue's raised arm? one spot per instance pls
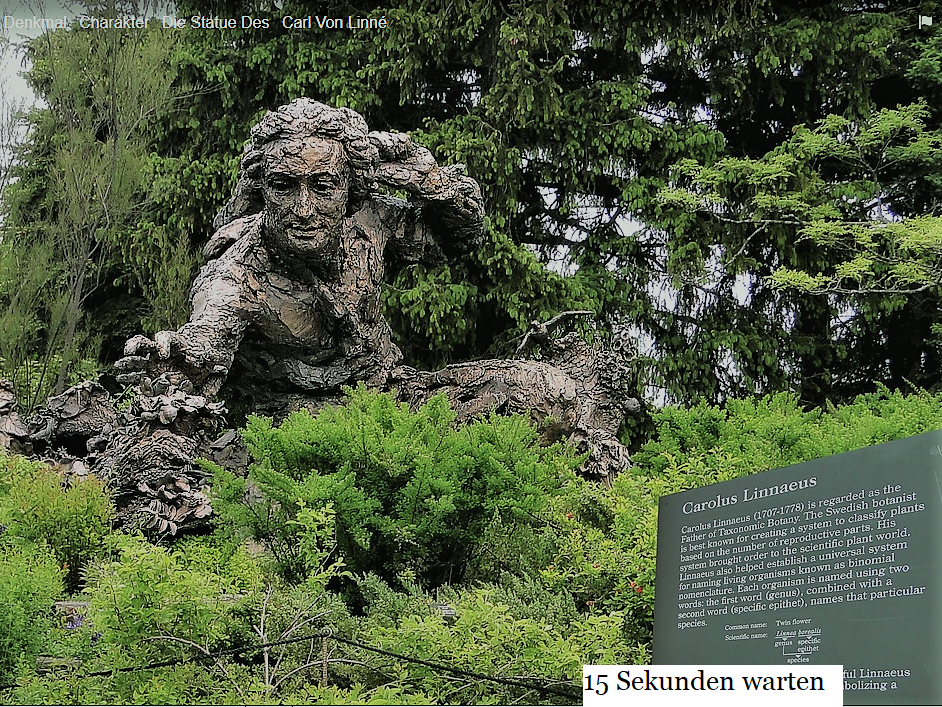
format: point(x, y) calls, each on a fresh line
point(451, 202)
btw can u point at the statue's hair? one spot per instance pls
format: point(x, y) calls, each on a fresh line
point(299, 119)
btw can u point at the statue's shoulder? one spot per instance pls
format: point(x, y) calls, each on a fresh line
point(244, 231)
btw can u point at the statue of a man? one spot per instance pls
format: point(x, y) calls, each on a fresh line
point(290, 300)
point(288, 309)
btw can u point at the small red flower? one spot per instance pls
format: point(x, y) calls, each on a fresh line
point(639, 589)
point(570, 516)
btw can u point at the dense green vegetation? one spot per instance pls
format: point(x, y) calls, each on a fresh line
point(750, 189)
point(348, 521)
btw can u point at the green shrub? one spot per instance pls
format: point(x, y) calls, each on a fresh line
point(765, 433)
point(489, 636)
point(30, 581)
point(74, 521)
point(704, 445)
point(599, 546)
point(555, 571)
point(149, 593)
point(284, 613)
point(230, 560)
point(12, 468)
point(358, 695)
point(409, 490)
point(184, 684)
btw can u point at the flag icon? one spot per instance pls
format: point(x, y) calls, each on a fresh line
point(924, 21)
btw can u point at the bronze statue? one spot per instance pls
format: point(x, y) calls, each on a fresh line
point(287, 311)
point(291, 295)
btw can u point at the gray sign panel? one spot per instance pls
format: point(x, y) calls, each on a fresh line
point(835, 561)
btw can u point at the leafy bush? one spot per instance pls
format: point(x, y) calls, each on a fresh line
point(230, 560)
point(152, 606)
point(184, 684)
point(599, 546)
point(30, 581)
point(487, 636)
point(358, 695)
point(285, 613)
point(12, 468)
point(74, 521)
point(555, 571)
point(759, 434)
point(703, 445)
point(410, 491)
point(587, 552)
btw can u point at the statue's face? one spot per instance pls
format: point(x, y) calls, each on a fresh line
point(305, 187)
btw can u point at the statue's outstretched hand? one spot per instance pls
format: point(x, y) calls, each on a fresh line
point(167, 350)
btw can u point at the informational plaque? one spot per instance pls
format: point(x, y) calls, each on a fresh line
point(835, 561)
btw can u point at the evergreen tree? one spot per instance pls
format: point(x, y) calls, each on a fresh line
point(575, 117)
point(75, 233)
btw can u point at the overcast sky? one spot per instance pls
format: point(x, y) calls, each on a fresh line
point(12, 85)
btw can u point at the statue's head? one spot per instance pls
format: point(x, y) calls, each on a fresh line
point(307, 166)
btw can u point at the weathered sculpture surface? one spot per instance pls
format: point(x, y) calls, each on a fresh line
point(292, 293)
point(287, 311)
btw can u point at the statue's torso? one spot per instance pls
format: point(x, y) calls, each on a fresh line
point(307, 331)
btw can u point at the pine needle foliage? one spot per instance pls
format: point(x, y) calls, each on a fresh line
point(411, 492)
